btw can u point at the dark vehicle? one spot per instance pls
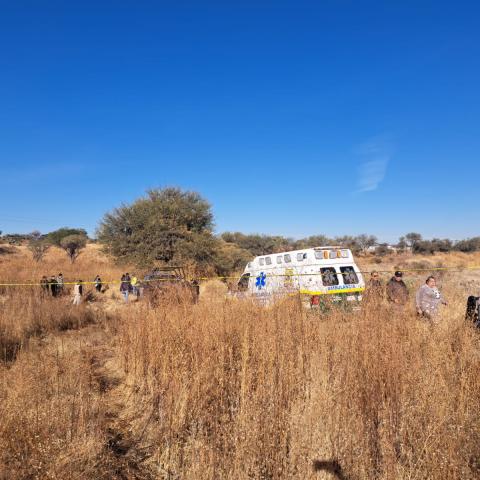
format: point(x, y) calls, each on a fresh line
point(169, 283)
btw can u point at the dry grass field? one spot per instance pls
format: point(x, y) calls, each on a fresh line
point(226, 389)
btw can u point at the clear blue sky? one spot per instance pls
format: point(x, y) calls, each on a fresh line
point(290, 117)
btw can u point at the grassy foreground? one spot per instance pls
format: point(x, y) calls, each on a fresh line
point(226, 389)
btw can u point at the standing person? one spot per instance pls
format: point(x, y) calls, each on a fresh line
point(374, 292)
point(196, 290)
point(428, 299)
point(128, 279)
point(134, 283)
point(60, 284)
point(397, 291)
point(53, 286)
point(473, 307)
point(78, 292)
point(125, 286)
point(44, 285)
point(98, 283)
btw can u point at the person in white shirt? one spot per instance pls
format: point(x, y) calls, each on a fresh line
point(77, 293)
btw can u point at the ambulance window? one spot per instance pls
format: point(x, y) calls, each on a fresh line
point(329, 276)
point(243, 282)
point(262, 262)
point(268, 260)
point(279, 259)
point(287, 258)
point(349, 275)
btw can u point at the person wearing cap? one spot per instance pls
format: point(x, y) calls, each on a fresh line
point(428, 299)
point(397, 291)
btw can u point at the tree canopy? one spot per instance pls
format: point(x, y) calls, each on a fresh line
point(56, 237)
point(167, 225)
point(73, 245)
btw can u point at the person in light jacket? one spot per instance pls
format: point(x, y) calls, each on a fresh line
point(77, 293)
point(428, 299)
point(135, 286)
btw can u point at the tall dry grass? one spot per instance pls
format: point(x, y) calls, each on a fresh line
point(228, 389)
point(19, 266)
point(26, 312)
point(237, 391)
point(27, 315)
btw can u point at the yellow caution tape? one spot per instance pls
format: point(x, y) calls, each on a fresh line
point(237, 277)
point(333, 292)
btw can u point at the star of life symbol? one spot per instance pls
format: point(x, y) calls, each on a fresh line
point(261, 281)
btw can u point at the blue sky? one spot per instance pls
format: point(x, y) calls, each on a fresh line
point(290, 117)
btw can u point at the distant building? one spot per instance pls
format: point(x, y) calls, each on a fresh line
point(390, 248)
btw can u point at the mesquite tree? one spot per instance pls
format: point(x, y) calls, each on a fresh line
point(73, 245)
point(169, 225)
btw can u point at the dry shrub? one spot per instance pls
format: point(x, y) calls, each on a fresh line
point(26, 313)
point(212, 291)
point(51, 417)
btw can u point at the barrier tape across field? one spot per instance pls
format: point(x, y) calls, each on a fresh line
point(289, 275)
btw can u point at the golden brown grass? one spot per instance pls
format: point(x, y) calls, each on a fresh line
point(227, 389)
point(25, 312)
point(242, 392)
point(19, 266)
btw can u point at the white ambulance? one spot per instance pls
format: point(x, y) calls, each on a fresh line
point(311, 271)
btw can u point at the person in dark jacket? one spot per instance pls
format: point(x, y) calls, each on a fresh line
point(473, 310)
point(44, 285)
point(125, 286)
point(397, 291)
point(53, 286)
point(98, 283)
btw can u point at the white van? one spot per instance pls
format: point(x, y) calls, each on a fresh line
point(310, 271)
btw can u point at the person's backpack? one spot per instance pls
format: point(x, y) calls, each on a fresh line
point(472, 314)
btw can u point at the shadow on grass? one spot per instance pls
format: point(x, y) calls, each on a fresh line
point(330, 466)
